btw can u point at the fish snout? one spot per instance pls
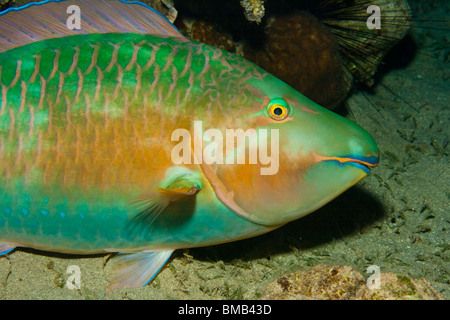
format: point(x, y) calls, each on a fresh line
point(345, 143)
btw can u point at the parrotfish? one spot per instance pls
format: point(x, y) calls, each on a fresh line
point(124, 136)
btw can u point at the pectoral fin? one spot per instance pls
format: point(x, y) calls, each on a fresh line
point(178, 183)
point(134, 270)
point(149, 206)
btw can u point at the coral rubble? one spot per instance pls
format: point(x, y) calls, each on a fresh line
point(254, 9)
point(345, 283)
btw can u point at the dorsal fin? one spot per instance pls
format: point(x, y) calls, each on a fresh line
point(46, 20)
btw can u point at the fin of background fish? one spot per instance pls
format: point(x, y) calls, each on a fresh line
point(4, 249)
point(178, 183)
point(46, 20)
point(134, 270)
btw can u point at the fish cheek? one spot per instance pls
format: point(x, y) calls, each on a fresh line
point(262, 199)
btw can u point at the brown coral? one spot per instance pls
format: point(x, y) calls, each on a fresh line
point(212, 34)
point(301, 51)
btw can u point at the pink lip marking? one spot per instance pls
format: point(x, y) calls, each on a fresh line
point(309, 110)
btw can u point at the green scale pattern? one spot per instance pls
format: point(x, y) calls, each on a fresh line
point(46, 85)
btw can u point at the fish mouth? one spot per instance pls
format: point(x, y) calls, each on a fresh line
point(362, 162)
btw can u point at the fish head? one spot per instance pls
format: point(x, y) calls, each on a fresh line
point(306, 156)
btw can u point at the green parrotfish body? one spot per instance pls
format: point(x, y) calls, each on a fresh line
point(125, 136)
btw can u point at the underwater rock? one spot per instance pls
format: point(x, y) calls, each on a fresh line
point(345, 283)
point(302, 52)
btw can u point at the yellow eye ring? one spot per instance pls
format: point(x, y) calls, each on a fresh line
point(278, 109)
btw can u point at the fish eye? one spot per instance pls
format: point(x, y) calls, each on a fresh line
point(278, 109)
